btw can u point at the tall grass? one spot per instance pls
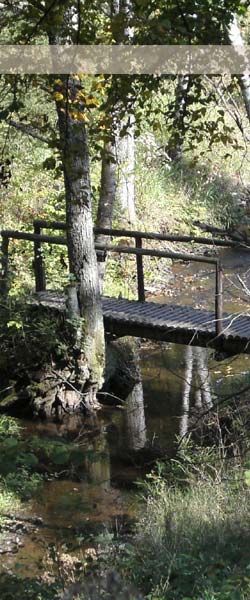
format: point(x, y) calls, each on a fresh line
point(192, 540)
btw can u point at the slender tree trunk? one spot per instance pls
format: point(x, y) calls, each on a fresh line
point(107, 199)
point(126, 178)
point(110, 156)
point(236, 39)
point(177, 137)
point(82, 256)
point(126, 143)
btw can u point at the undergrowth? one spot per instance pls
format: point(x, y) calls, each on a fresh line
point(192, 540)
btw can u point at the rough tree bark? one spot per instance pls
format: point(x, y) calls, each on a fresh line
point(82, 256)
point(84, 300)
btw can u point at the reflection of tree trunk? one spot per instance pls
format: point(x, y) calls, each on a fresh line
point(196, 375)
point(201, 362)
point(198, 398)
point(135, 418)
point(98, 463)
point(186, 390)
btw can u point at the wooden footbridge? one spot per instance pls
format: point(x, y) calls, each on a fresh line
point(141, 318)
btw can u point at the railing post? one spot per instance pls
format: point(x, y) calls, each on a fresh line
point(39, 264)
point(140, 274)
point(4, 280)
point(219, 298)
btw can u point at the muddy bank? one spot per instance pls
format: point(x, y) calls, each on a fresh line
point(34, 386)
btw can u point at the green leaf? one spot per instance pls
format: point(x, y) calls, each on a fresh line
point(60, 456)
point(11, 443)
point(247, 478)
point(29, 460)
point(77, 456)
point(15, 324)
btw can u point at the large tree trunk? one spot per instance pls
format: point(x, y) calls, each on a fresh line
point(82, 256)
point(236, 39)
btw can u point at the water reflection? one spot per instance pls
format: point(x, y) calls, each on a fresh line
point(97, 462)
point(97, 496)
point(196, 379)
point(135, 418)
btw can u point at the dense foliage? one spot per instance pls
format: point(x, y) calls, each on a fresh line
point(192, 136)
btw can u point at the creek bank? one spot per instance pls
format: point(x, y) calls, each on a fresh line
point(13, 528)
point(40, 371)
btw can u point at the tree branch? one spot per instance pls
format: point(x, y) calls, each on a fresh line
point(28, 130)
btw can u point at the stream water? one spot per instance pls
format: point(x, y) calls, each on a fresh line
point(123, 441)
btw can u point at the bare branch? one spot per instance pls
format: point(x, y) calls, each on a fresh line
point(28, 130)
point(232, 110)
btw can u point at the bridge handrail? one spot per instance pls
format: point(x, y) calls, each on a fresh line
point(39, 265)
point(147, 235)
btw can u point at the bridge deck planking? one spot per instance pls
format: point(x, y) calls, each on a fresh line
point(165, 322)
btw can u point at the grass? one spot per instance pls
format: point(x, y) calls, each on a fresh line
point(192, 540)
point(9, 502)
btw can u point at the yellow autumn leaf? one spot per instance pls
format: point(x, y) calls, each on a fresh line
point(58, 96)
point(92, 101)
point(79, 116)
point(83, 117)
point(81, 95)
point(100, 87)
point(58, 82)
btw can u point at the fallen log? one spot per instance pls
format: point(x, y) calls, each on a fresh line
point(242, 234)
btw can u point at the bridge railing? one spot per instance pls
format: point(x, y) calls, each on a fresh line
point(39, 264)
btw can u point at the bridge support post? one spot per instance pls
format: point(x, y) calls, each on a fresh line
point(219, 298)
point(140, 273)
point(39, 264)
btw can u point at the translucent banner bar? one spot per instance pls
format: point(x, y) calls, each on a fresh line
point(124, 59)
